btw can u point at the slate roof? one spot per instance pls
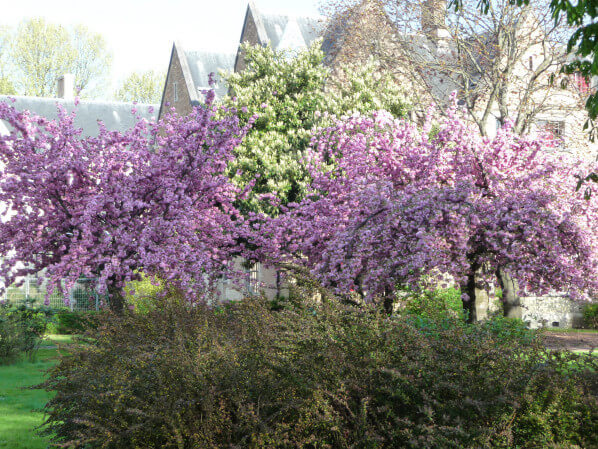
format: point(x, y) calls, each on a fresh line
point(202, 63)
point(291, 33)
point(116, 116)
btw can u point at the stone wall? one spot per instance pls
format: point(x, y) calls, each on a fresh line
point(554, 311)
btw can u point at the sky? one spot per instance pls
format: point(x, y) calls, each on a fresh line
point(140, 33)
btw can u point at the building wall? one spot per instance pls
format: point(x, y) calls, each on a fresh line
point(175, 75)
point(250, 36)
point(553, 311)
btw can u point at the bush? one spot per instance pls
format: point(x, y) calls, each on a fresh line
point(590, 316)
point(21, 330)
point(314, 376)
point(67, 322)
point(509, 330)
point(436, 306)
point(142, 294)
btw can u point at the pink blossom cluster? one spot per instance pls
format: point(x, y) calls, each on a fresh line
point(155, 198)
point(393, 205)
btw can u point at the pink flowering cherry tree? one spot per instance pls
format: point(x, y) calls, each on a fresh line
point(154, 199)
point(395, 206)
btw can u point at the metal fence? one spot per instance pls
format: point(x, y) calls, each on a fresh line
point(83, 296)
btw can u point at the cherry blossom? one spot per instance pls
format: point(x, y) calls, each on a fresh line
point(395, 205)
point(154, 199)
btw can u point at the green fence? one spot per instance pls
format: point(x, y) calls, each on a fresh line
point(83, 296)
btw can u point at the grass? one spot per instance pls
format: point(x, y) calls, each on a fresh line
point(20, 407)
point(571, 331)
point(54, 339)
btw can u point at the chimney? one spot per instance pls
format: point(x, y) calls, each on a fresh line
point(66, 86)
point(433, 19)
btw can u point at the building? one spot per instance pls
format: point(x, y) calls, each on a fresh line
point(116, 116)
point(188, 71)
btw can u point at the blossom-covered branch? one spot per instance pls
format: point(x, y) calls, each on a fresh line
point(154, 198)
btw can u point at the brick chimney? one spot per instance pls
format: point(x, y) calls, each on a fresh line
point(433, 19)
point(65, 86)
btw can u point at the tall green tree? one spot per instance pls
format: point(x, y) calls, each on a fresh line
point(143, 87)
point(291, 94)
point(41, 51)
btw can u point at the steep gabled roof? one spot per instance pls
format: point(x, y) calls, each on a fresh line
point(278, 29)
point(116, 116)
point(201, 64)
point(284, 32)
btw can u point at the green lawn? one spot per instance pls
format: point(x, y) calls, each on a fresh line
point(20, 408)
point(53, 339)
point(571, 331)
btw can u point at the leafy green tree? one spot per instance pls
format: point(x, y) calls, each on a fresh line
point(6, 85)
point(41, 51)
point(291, 93)
point(143, 87)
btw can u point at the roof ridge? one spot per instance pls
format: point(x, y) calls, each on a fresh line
point(80, 100)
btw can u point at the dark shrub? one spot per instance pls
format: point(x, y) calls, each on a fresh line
point(11, 339)
point(590, 316)
point(319, 376)
point(67, 322)
point(21, 330)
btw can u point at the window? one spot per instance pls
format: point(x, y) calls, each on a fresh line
point(556, 128)
point(252, 284)
point(175, 91)
point(581, 83)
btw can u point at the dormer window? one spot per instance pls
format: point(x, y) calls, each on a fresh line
point(175, 91)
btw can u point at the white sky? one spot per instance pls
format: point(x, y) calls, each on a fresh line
point(140, 33)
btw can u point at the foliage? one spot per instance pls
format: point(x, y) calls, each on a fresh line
point(590, 316)
point(141, 294)
point(319, 375)
point(154, 198)
point(6, 87)
point(21, 330)
point(142, 87)
point(389, 205)
point(434, 305)
point(39, 52)
point(509, 330)
point(67, 322)
point(290, 96)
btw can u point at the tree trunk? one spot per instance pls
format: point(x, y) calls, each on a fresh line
point(479, 306)
point(116, 299)
point(388, 302)
point(469, 305)
point(510, 296)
